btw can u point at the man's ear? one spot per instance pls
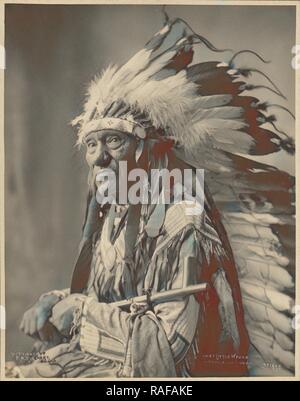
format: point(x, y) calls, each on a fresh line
point(139, 150)
point(141, 154)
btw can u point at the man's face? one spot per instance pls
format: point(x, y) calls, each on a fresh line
point(106, 148)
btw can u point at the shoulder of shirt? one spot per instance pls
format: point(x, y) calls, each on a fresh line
point(181, 215)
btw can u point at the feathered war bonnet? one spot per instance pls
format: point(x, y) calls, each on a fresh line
point(197, 106)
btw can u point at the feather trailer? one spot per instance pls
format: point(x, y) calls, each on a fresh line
point(206, 110)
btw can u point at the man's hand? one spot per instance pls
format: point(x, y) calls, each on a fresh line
point(63, 313)
point(35, 318)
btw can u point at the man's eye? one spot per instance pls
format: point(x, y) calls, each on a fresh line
point(91, 145)
point(113, 141)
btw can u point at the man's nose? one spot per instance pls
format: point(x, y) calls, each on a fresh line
point(102, 157)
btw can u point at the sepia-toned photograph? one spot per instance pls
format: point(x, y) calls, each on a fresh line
point(149, 197)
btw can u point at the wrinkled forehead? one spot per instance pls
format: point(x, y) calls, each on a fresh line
point(102, 134)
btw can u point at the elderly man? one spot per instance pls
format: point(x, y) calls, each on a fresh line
point(149, 114)
point(137, 248)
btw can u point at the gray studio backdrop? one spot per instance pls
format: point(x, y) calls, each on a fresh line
point(52, 54)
